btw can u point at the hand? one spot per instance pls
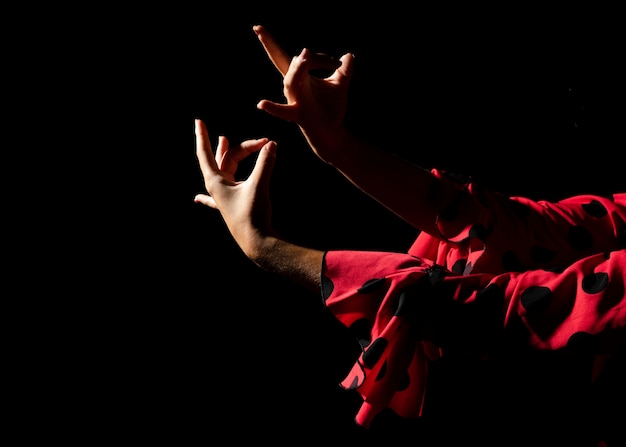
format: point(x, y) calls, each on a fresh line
point(244, 205)
point(317, 105)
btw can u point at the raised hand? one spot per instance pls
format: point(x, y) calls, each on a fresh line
point(245, 205)
point(318, 105)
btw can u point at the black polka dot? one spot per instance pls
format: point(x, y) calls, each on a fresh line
point(327, 287)
point(372, 285)
point(580, 238)
point(459, 266)
point(404, 304)
point(354, 384)
point(374, 352)
point(582, 342)
point(468, 269)
point(595, 282)
point(536, 299)
point(542, 255)
point(436, 274)
point(595, 209)
point(478, 231)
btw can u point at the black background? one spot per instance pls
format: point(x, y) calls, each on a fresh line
point(530, 102)
point(142, 321)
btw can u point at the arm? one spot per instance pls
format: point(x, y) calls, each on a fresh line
point(246, 209)
point(318, 106)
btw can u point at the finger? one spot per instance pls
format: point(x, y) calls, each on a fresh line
point(344, 72)
point(283, 111)
point(204, 152)
point(298, 69)
point(231, 157)
point(206, 200)
point(222, 149)
point(262, 171)
point(277, 55)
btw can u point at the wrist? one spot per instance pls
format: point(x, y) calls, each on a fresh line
point(261, 252)
point(258, 246)
point(335, 148)
point(299, 264)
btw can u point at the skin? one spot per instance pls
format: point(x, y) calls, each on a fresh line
point(246, 208)
point(318, 106)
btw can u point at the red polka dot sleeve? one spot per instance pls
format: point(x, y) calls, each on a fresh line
point(406, 310)
point(481, 231)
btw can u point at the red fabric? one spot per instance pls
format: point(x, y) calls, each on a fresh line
point(552, 274)
point(485, 232)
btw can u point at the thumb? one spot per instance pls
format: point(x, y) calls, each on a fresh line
point(283, 111)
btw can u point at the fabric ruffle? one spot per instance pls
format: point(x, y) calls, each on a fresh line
point(481, 231)
point(407, 312)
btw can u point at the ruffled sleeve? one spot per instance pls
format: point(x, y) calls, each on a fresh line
point(364, 290)
point(407, 312)
point(481, 231)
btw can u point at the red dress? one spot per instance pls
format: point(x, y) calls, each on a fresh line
point(503, 271)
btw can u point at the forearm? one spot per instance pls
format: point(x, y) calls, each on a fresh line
point(299, 264)
point(410, 191)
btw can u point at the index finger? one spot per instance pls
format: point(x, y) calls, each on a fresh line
point(204, 152)
point(277, 55)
